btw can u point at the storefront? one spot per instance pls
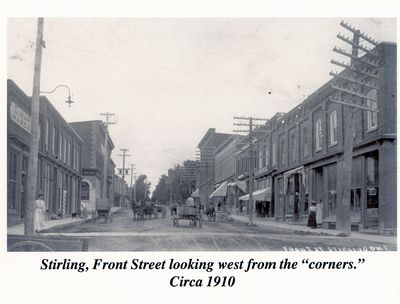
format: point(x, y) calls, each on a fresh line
point(365, 196)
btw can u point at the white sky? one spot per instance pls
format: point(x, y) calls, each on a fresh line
point(169, 80)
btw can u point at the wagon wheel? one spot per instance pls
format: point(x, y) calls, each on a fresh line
point(29, 246)
point(194, 222)
point(106, 217)
point(200, 221)
point(177, 222)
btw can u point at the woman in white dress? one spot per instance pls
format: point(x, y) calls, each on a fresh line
point(40, 214)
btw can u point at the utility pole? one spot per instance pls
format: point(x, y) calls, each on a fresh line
point(132, 167)
point(106, 124)
point(124, 155)
point(249, 122)
point(350, 85)
point(35, 134)
point(134, 193)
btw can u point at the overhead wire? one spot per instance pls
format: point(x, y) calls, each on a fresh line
point(165, 68)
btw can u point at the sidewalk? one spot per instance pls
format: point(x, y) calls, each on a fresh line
point(270, 223)
point(65, 222)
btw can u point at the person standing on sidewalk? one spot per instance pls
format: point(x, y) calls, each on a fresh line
point(40, 213)
point(312, 216)
point(319, 213)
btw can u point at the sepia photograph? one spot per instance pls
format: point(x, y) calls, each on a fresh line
point(201, 134)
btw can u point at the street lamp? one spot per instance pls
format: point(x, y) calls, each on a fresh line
point(68, 101)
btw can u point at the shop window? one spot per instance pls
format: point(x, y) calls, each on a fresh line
point(355, 200)
point(318, 134)
point(47, 185)
point(333, 128)
point(12, 179)
point(372, 103)
point(372, 173)
point(331, 171)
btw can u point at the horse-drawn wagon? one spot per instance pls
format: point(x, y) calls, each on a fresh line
point(103, 210)
point(192, 214)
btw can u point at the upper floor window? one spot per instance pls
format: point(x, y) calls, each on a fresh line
point(60, 141)
point(305, 138)
point(333, 128)
point(266, 158)
point(372, 103)
point(46, 140)
point(260, 155)
point(282, 153)
point(53, 141)
point(293, 148)
point(318, 134)
point(273, 154)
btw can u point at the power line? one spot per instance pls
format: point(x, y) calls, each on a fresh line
point(157, 66)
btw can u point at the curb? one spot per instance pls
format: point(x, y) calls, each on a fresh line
point(66, 225)
point(292, 229)
point(71, 224)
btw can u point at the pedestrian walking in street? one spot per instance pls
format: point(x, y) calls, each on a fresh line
point(312, 216)
point(319, 213)
point(40, 213)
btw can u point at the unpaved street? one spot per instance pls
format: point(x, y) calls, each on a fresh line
point(124, 234)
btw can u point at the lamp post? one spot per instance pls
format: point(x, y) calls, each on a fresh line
point(68, 101)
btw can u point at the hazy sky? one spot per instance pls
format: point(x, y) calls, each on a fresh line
point(169, 80)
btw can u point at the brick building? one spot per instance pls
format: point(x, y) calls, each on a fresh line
point(227, 189)
point(298, 155)
point(59, 155)
point(207, 146)
point(95, 148)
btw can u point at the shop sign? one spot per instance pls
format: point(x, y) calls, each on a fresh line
point(20, 117)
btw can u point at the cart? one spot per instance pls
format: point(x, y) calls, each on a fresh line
point(103, 210)
point(160, 209)
point(192, 214)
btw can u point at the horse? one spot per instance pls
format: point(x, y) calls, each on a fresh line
point(210, 212)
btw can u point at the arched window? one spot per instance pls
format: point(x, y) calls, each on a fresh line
point(372, 103)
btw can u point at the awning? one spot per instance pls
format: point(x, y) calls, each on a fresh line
point(293, 171)
point(259, 195)
point(221, 190)
point(288, 174)
point(196, 193)
point(240, 184)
